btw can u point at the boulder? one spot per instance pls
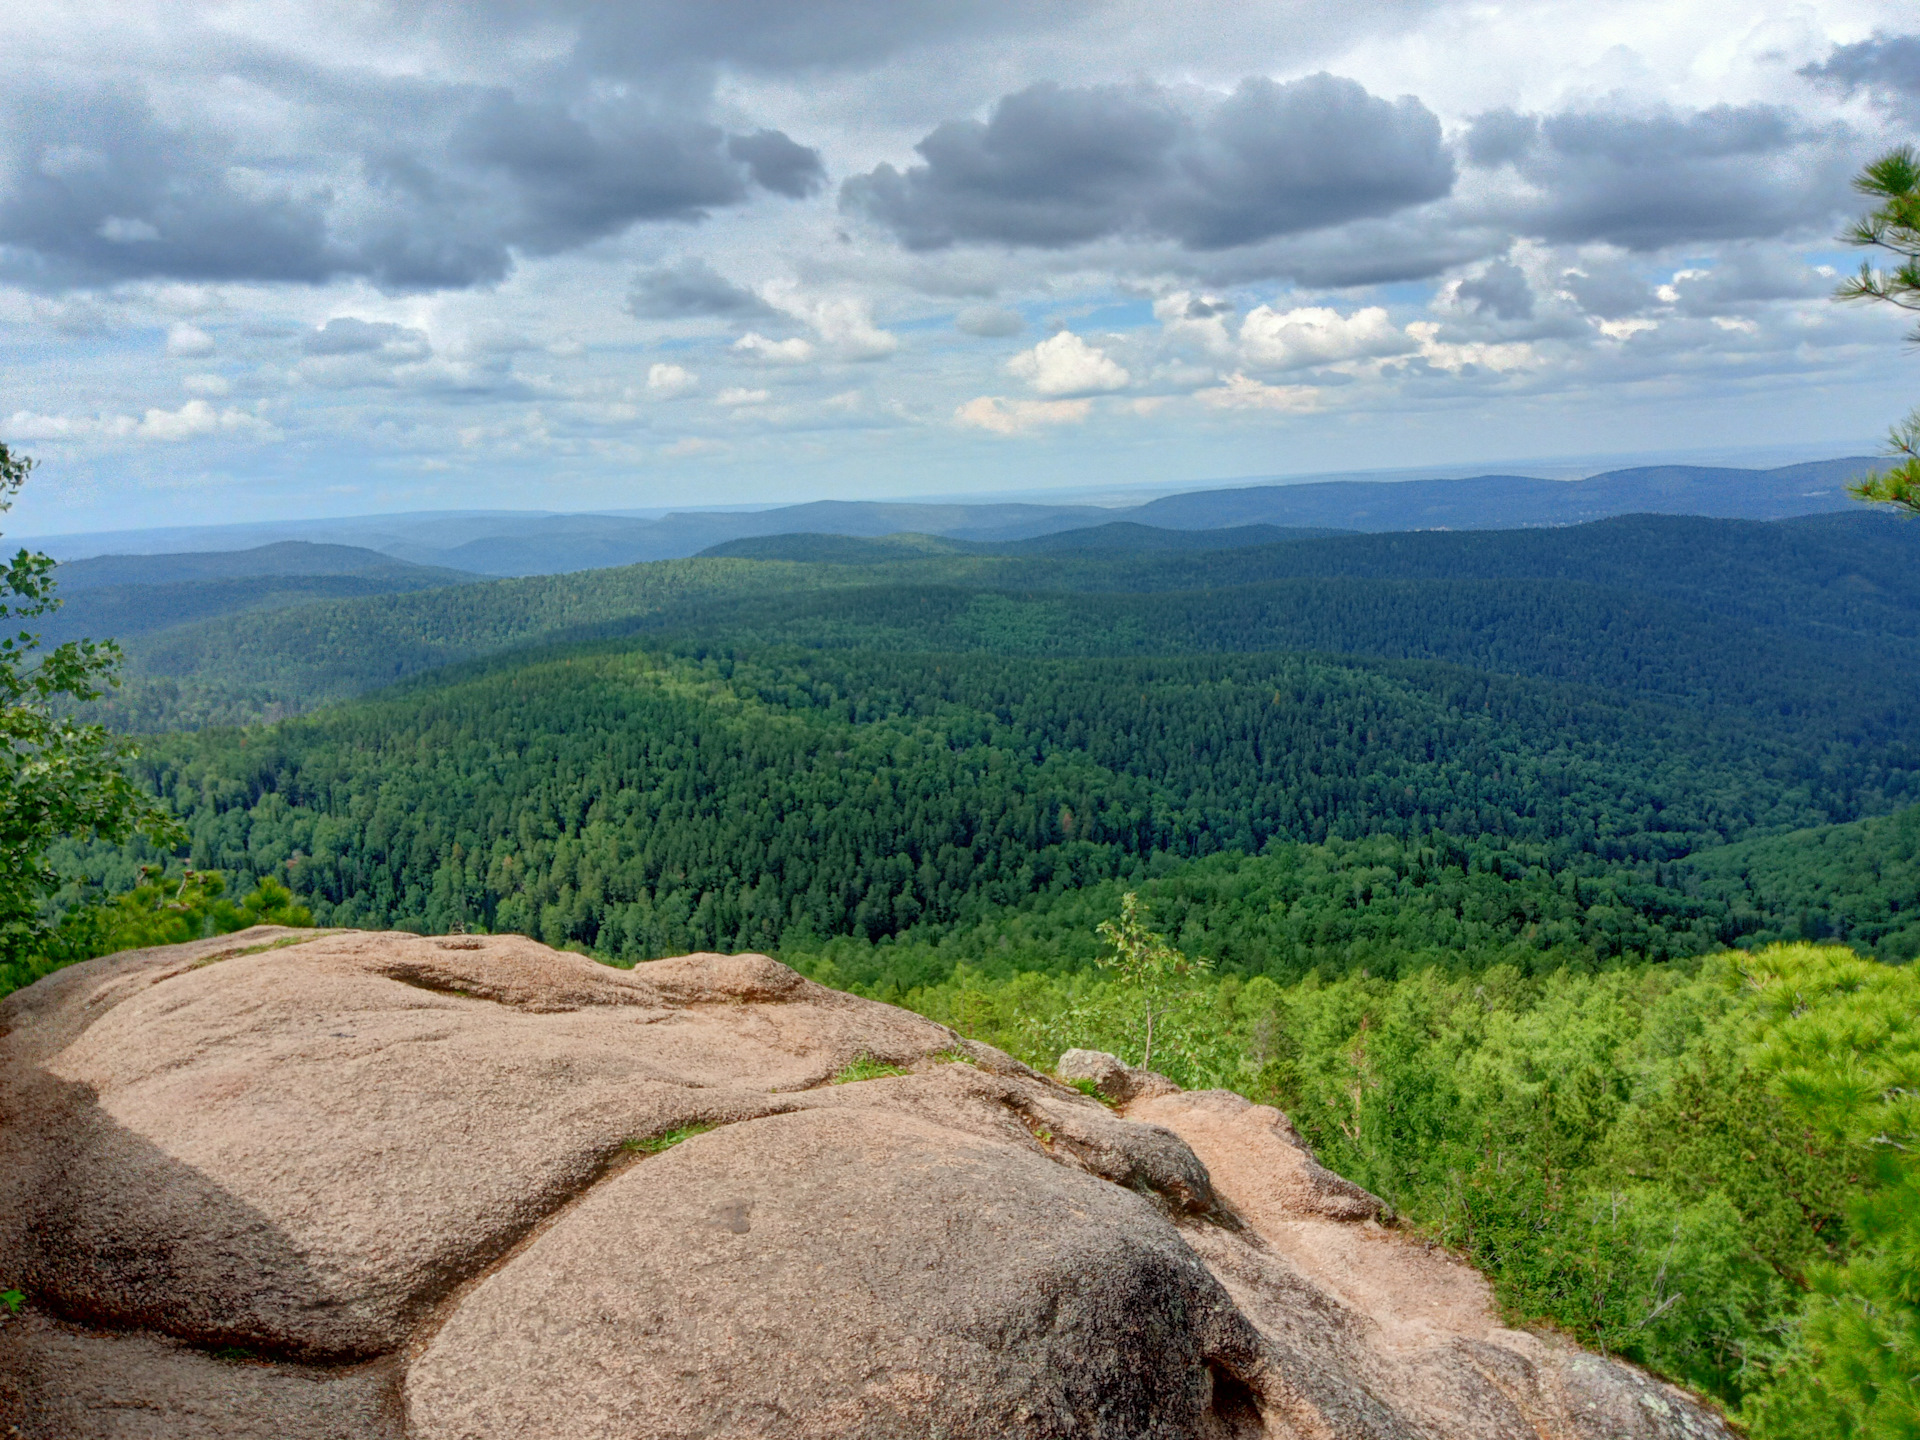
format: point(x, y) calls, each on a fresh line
point(298, 1184)
point(1111, 1076)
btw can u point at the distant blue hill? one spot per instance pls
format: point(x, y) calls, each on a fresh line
point(1119, 537)
point(128, 595)
point(1509, 502)
point(537, 543)
point(287, 557)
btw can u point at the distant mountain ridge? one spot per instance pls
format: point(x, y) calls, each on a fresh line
point(541, 543)
point(1511, 502)
point(129, 595)
point(1118, 537)
point(282, 558)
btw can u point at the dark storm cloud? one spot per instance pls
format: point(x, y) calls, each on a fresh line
point(554, 177)
point(442, 195)
point(690, 288)
point(1054, 166)
point(95, 184)
point(1644, 181)
point(1501, 290)
point(779, 164)
point(1886, 67)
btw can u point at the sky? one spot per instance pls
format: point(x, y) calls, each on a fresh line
point(273, 258)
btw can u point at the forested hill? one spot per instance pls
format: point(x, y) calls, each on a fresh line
point(284, 558)
point(646, 800)
point(742, 753)
point(762, 753)
point(1674, 605)
point(121, 596)
point(1118, 537)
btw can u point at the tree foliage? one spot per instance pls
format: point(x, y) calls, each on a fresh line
point(1144, 963)
point(1893, 226)
point(646, 801)
point(1697, 1168)
point(58, 777)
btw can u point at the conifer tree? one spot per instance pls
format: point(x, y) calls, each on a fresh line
point(1893, 226)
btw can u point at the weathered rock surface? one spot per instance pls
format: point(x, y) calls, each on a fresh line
point(1111, 1076)
point(353, 1186)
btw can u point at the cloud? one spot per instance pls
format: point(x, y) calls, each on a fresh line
point(1887, 67)
point(213, 385)
point(348, 335)
point(1240, 391)
point(739, 395)
point(756, 347)
point(349, 353)
point(1054, 166)
point(1016, 417)
point(1197, 320)
point(690, 288)
point(776, 36)
point(192, 421)
point(188, 341)
point(413, 185)
point(989, 322)
point(667, 381)
point(1064, 364)
point(1744, 278)
point(1500, 290)
point(1660, 177)
point(779, 164)
point(843, 324)
point(1456, 356)
point(1612, 291)
point(557, 176)
point(1315, 335)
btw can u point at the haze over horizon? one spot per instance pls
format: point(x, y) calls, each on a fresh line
point(272, 262)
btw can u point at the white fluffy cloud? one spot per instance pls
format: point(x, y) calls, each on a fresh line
point(843, 323)
point(758, 349)
point(188, 341)
point(1479, 354)
point(666, 381)
point(1312, 335)
point(1240, 391)
point(1064, 364)
point(1016, 417)
point(192, 421)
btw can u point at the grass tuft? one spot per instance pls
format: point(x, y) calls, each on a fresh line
point(1092, 1091)
point(865, 1067)
point(654, 1144)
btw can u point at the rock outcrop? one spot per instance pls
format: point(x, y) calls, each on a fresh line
point(364, 1186)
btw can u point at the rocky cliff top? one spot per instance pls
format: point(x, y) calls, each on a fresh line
point(359, 1186)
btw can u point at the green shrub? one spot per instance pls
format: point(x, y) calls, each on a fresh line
point(1700, 1170)
point(163, 909)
